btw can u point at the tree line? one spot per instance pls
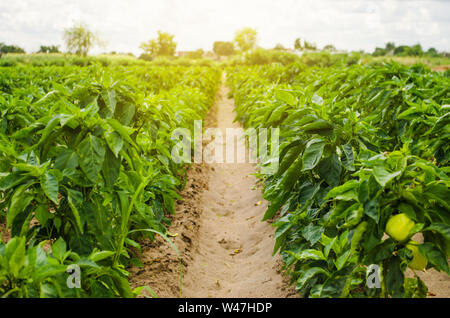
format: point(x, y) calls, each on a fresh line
point(79, 39)
point(405, 50)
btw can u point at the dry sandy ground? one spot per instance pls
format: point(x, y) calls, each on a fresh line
point(233, 256)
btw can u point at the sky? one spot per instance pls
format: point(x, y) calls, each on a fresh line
point(124, 25)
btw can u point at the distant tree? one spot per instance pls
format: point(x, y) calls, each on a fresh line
point(49, 49)
point(329, 47)
point(79, 39)
point(162, 45)
point(401, 50)
point(146, 57)
point(416, 50)
point(390, 46)
point(298, 44)
point(310, 46)
point(10, 49)
point(279, 47)
point(379, 51)
point(432, 52)
point(222, 48)
point(197, 54)
point(246, 38)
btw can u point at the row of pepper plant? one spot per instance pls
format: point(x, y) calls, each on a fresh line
point(85, 170)
point(363, 172)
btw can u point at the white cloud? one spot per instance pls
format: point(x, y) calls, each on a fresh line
point(348, 24)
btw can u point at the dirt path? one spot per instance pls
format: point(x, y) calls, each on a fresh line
point(225, 248)
point(233, 256)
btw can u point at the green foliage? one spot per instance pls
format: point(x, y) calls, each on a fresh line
point(260, 56)
point(79, 39)
point(85, 158)
point(197, 54)
point(298, 44)
point(49, 49)
point(163, 45)
point(4, 49)
point(38, 270)
point(222, 48)
point(358, 144)
point(405, 50)
point(246, 38)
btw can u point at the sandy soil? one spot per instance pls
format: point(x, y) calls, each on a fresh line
point(233, 255)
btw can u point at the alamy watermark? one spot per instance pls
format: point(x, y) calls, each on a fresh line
point(373, 279)
point(74, 279)
point(262, 145)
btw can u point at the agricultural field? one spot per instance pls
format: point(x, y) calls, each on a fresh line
point(86, 175)
point(85, 170)
point(232, 157)
point(363, 152)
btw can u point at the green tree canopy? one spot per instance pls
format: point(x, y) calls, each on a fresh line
point(329, 47)
point(279, 47)
point(10, 49)
point(79, 39)
point(197, 54)
point(222, 48)
point(390, 46)
point(162, 45)
point(49, 49)
point(310, 46)
point(246, 38)
point(298, 44)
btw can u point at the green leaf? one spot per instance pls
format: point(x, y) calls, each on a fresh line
point(59, 249)
point(99, 256)
point(435, 256)
point(394, 277)
point(11, 180)
point(15, 254)
point(111, 168)
point(312, 153)
point(42, 214)
point(306, 276)
point(438, 191)
point(91, 153)
point(342, 259)
point(408, 210)
point(383, 176)
point(308, 254)
point(372, 209)
point(75, 199)
point(348, 157)
point(358, 236)
point(289, 154)
point(109, 96)
point(312, 233)
point(441, 228)
point(330, 170)
point(347, 192)
point(114, 141)
point(316, 99)
point(319, 126)
point(19, 201)
point(50, 186)
point(122, 130)
point(285, 96)
point(66, 159)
